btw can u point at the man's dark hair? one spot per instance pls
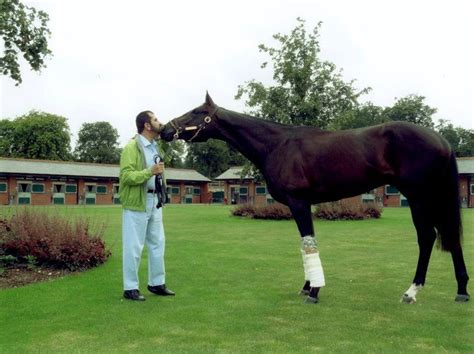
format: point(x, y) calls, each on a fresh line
point(142, 118)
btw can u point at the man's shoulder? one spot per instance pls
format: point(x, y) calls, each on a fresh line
point(132, 143)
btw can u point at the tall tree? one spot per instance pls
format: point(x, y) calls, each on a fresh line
point(98, 142)
point(361, 116)
point(24, 32)
point(36, 135)
point(461, 139)
point(411, 109)
point(174, 153)
point(307, 90)
point(212, 157)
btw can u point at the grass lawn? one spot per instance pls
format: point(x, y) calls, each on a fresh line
point(237, 282)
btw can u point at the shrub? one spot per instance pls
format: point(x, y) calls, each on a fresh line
point(52, 240)
point(340, 210)
point(343, 210)
point(273, 212)
point(247, 210)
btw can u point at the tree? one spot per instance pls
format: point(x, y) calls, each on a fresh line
point(212, 157)
point(7, 128)
point(24, 31)
point(174, 152)
point(461, 140)
point(36, 135)
point(308, 90)
point(98, 143)
point(361, 116)
point(411, 109)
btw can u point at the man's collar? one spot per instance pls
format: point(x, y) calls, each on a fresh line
point(145, 141)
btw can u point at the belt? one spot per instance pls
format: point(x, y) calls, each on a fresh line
point(152, 191)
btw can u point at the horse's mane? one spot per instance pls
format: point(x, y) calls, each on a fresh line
point(267, 121)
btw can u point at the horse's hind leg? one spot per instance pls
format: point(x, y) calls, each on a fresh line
point(461, 274)
point(426, 237)
point(313, 270)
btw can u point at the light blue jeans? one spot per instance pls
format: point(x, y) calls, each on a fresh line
point(138, 228)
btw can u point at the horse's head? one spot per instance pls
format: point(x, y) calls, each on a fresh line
point(193, 126)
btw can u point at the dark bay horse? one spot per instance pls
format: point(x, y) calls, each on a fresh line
point(305, 165)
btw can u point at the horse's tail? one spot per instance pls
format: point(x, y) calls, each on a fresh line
point(448, 221)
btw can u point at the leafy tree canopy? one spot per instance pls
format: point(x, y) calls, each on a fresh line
point(98, 143)
point(307, 90)
point(411, 109)
point(36, 135)
point(361, 116)
point(461, 139)
point(24, 32)
point(212, 157)
point(174, 152)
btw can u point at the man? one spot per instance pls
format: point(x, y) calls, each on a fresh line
point(142, 194)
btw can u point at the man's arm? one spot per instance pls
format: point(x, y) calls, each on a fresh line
point(130, 173)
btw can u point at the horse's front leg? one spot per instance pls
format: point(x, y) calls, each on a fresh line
point(313, 270)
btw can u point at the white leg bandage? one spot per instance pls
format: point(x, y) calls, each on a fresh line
point(412, 291)
point(313, 269)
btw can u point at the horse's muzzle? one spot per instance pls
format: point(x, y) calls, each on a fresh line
point(167, 132)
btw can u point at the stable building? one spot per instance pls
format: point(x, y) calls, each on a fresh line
point(466, 181)
point(44, 182)
point(240, 190)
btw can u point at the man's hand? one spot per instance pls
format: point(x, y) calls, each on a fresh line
point(158, 169)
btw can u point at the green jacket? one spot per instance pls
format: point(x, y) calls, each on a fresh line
point(134, 176)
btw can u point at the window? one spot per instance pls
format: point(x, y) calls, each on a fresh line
point(90, 201)
point(175, 190)
point(218, 197)
point(116, 189)
point(59, 188)
point(58, 200)
point(262, 190)
point(37, 188)
point(189, 190)
point(196, 191)
point(24, 187)
point(472, 189)
point(243, 190)
point(391, 190)
point(71, 188)
point(91, 188)
point(24, 200)
point(3, 187)
point(101, 189)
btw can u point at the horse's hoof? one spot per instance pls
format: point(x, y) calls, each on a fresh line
point(408, 299)
point(311, 300)
point(304, 292)
point(462, 298)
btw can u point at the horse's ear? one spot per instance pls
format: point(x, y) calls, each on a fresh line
point(209, 100)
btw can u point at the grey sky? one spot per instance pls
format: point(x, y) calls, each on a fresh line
point(113, 59)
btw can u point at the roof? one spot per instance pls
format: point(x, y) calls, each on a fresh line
point(80, 169)
point(183, 174)
point(465, 165)
point(232, 173)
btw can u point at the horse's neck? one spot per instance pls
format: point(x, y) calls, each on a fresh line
point(253, 137)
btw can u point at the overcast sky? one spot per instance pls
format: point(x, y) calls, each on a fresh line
point(113, 59)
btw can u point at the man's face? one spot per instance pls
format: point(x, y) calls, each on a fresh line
point(155, 124)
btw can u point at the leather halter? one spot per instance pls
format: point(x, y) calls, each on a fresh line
point(207, 119)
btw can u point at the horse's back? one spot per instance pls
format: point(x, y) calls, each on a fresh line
point(410, 145)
